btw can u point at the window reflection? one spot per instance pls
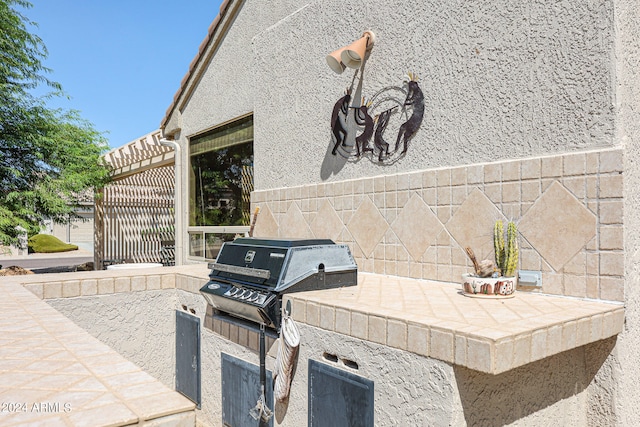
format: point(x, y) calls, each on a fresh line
point(221, 181)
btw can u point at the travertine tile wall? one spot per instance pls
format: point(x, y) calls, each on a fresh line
point(568, 209)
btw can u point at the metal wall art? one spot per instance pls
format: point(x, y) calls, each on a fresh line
point(415, 98)
point(372, 118)
point(364, 119)
point(339, 120)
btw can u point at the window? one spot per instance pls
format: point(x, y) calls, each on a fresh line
point(220, 185)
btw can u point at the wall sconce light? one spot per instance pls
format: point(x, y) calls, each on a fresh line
point(351, 56)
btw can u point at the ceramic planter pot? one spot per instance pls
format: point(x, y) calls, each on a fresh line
point(489, 287)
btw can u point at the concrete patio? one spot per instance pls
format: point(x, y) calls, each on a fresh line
point(54, 373)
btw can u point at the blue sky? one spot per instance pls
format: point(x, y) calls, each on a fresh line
point(121, 61)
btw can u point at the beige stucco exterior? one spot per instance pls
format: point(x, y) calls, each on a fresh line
point(530, 110)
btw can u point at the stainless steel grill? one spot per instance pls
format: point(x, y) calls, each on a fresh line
point(250, 275)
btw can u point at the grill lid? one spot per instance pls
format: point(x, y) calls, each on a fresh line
point(278, 263)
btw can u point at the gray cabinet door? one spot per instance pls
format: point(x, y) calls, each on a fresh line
point(188, 356)
point(338, 398)
point(241, 391)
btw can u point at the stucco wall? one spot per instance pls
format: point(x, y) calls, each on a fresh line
point(210, 359)
point(414, 390)
point(501, 80)
point(139, 325)
point(627, 53)
point(219, 98)
point(226, 88)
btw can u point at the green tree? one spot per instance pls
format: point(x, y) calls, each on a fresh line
point(49, 158)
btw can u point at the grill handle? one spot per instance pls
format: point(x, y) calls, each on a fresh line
point(263, 370)
point(245, 271)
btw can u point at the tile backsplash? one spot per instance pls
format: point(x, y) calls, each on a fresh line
point(568, 209)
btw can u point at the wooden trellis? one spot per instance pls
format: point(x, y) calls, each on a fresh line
point(135, 213)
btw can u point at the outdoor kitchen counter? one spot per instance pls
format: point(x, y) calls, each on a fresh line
point(434, 319)
point(53, 373)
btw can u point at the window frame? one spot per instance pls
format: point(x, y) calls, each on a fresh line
point(210, 230)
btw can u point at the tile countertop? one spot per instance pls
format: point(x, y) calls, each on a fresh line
point(53, 373)
point(434, 319)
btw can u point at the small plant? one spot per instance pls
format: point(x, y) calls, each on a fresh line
point(495, 279)
point(506, 253)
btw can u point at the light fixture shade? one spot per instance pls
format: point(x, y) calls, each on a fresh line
point(335, 62)
point(353, 55)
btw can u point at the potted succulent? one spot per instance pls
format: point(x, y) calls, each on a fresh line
point(495, 279)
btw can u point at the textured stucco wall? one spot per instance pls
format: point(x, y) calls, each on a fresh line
point(228, 87)
point(626, 364)
point(139, 325)
point(501, 80)
point(414, 390)
point(211, 347)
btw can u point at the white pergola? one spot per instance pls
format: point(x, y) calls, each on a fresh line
point(134, 215)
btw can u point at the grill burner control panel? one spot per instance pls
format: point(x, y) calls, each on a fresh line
point(243, 294)
point(246, 295)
